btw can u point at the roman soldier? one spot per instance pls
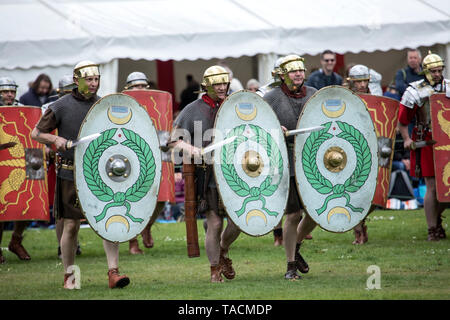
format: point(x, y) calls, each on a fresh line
point(415, 104)
point(287, 100)
point(215, 84)
point(67, 114)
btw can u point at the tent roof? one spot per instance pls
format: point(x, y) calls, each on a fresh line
point(60, 32)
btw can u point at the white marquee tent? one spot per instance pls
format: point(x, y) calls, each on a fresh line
point(53, 35)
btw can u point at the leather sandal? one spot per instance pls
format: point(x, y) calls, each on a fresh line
point(291, 273)
point(302, 265)
point(440, 229)
point(433, 234)
point(227, 266)
point(278, 237)
point(116, 280)
point(16, 247)
point(216, 274)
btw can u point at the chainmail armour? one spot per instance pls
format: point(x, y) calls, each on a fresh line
point(197, 112)
point(288, 110)
point(70, 112)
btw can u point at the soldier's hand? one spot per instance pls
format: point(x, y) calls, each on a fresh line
point(284, 129)
point(195, 152)
point(407, 143)
point(407, 164)
point(60, 143)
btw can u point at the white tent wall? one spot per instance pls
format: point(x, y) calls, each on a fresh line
point(60, 33)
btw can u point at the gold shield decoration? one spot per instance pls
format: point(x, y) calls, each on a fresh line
point(440, 122)
point(23, 178)
point(384, 113)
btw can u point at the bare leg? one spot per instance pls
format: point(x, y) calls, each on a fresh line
point(112, 254)
point(278, 234)
point(59, 230)
point(213, 235)
point(305, 227)
point(230, 234)
point(290, 234)
point(19, 227)
point(430, 203)
point(147, 238)
point(69, 241)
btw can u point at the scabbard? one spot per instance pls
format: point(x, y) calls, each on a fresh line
point(418, 172)
point(190, 207)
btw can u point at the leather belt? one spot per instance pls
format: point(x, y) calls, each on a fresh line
point(64, 164)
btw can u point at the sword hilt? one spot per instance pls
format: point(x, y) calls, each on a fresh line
point(69, 144)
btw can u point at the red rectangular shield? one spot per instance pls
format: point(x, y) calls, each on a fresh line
point(440, 123)
point(23, 170)
point(384, 113)
point(159, 106)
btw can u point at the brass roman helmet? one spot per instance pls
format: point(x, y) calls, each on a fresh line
point(431, 61)
point(291, 63)
point(214, 75)
point(85, 69)
point(82, 70)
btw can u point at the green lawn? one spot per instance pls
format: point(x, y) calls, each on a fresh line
point(411, 267)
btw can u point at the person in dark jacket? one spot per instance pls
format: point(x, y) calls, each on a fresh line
point(412, 72)
point(40, 92)
point(190, 93)
point(325, 76)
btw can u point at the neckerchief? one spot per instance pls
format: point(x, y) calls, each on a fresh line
point(300, 93)
point(210, 102)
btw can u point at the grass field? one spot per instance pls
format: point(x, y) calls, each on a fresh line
point(411, 267)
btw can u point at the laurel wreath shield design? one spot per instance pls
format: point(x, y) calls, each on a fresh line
point(268, 187)
point(356, 179)
point(101, 190)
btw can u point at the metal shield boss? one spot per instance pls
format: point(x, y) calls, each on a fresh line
point(117, 175)
point(384, 114)
point(23, 168)
point(159, 107)
point(440, 122)
point(336, 168)
point(252, 172)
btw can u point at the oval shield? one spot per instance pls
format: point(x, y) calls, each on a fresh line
point(159, 107)
point(117, 175)
point(252, 172)
point(23, 179)
point(336, 168)
point(384, 113)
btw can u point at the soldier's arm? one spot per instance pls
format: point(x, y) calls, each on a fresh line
point(176, 141)
point(49, 139)
point(41, 133)
point(405, 116)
